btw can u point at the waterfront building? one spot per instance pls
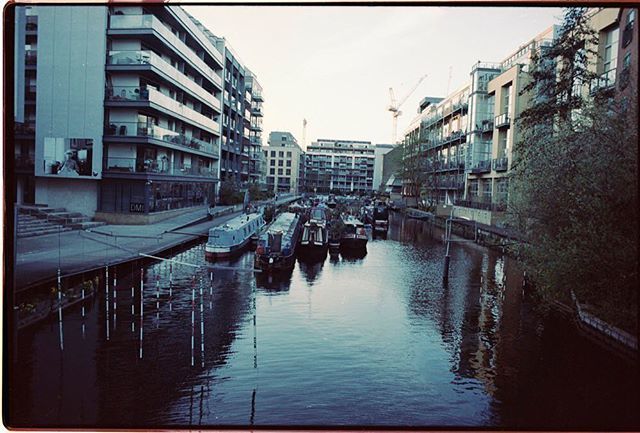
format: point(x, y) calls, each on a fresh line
point(627, 64)
point(254, 141)
point(380, 151)
point(125, 124)
point(284, 162)
point(344, 166)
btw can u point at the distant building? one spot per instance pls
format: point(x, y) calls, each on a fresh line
point(627, 63)
point(284, 162)
point(344, 166)
point(254, 142)
point(380, 151)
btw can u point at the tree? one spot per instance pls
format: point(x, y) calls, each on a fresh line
point(229, 193)
point(573, 187)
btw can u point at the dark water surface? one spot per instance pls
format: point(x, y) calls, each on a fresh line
point(373, 341)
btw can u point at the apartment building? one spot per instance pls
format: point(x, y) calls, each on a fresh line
point(121, 111)
point(284, 163)
point(380, 151)
point(346, 166)
point(487, 182)
point(627, 70)
point(253, 143)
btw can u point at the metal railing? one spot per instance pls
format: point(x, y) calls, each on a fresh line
point(483, 204)
point(136, 129)
point(141, 93)
point(604, 81)
point(502, 120)
point(131, 22)
point(162, 166)
point(501, 164)
point(481, 167)
point(144, 57)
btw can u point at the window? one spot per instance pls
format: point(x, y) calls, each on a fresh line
point(272, 162)
point(289, 163)
point(280, 162)
point(272, 171)
point(273, 154)
point(280, 154)
point(288, 172)
point(610, 50)
point(284, 138)
point(288, 154)
point(280, 171)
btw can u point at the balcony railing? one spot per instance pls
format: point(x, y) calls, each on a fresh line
point(603, 82)
point(135, 129)
point(24, 162)
point(31, 57)
point(481, 167)
point(501, 164)
point(138, 94)
point(132, 22)
point(143, 57)
point(502, 120)
point(136, 165)
point(483, 205)
point(27, 128)
point(487, 126)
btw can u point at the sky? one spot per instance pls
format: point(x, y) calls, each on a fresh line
point(334, 65)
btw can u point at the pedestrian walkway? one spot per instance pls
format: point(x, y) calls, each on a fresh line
point(38, 258)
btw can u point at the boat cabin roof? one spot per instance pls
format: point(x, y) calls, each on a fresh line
point(236, 223)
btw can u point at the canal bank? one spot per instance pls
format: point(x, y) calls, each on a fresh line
point(620, 342)
point(83, 257)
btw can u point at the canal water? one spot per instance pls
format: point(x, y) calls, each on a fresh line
point(349, 341)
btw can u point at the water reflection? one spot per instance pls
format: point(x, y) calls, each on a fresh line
point(373, 340)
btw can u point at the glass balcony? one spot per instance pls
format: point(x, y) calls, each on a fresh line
point(502, 121)
point(603, 82)
point(501, 164)
point(135, 22)
point(149, 94)
point(135, 129)
point(142, 57)
point(481, 167)
point(31, 57)
point(155, 166)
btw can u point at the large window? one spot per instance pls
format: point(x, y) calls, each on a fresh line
point(68, 157)
point(611, 50)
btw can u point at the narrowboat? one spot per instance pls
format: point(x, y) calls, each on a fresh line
point(231, 238)
point(354, 235)
point(277, 245)
point(381, 217)
point(315, 236)
point(331, 202)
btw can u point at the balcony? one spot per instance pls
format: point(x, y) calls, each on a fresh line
point(604, 82)
point(502, 121)
point(256, 127)
point(24, 163)
point(501, 164)
point(31, 57)
point(117, 165)
point(256, 112)
point(481, 167)
point(118, 130)
point(150, 97)
point(135, 59)
point(257, 97)
point(487, 126)
point(483, 205)
point(139, 23)
point(25, 129)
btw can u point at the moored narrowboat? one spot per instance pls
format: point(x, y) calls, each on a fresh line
point(381, 217)
point(277, 244)
point(354, 235)
point(231, 238)
point(315, 236)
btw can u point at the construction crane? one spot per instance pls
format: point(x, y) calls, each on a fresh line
point(395, 107)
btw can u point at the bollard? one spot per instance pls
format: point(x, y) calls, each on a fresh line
point(141, 308)
point(445, 274)
point(60, 311)
point(106, 298)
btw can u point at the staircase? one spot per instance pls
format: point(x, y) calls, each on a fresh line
point(39, 220)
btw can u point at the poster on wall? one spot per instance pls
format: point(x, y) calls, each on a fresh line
point(68, 157)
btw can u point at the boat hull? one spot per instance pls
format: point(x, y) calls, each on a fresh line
point(274, 263)
point(353, 242)
point(215, 253)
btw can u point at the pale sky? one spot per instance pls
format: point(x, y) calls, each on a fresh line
point(334, 65)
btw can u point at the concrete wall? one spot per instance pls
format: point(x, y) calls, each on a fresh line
point(479, 215)
point(381, 150)
point(143, 219)
point(71, 79)
point(78, 197)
